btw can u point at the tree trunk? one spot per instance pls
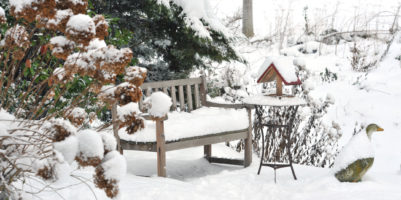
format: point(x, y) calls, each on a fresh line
point(247, 18)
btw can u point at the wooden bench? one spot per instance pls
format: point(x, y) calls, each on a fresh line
point(193, 98)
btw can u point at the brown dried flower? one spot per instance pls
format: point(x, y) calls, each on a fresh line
point(126, 93)
point(109, 186)
point(135, 75)
point(101, 26)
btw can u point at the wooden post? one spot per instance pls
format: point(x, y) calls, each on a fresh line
point(248, 141)
point(279, 86)
point(161, 148)
point(116, 125)
point(207, 151)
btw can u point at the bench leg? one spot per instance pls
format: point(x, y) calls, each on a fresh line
point(161, 149)
point(248, 142)
point(207, 151)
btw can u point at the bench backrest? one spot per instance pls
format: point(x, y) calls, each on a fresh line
point(186, 94)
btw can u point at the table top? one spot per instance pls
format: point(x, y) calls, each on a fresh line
point(266, 100)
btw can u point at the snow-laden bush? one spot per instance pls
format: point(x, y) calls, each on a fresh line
point(158, 104)
point(37, 85)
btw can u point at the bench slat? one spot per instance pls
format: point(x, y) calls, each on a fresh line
point(181, 95)
point(204, 140)
point(197, 99)
point(189, 98)
point(187, 142)
point(148, 91)
point(173, 98)
point(160, 84)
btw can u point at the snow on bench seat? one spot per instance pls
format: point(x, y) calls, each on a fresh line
point(200, 122)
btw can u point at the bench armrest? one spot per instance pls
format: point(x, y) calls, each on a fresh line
point(225, 105)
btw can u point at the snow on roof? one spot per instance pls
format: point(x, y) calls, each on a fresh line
point(284, 66)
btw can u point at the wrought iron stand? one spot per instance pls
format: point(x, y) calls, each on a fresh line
point(260, 123)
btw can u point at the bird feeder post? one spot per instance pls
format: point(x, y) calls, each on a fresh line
point(279, 86)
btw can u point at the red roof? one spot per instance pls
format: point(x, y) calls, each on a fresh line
point(272, 66)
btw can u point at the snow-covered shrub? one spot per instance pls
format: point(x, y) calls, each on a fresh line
point(101, 27)
point(158, 104)
point(91, 148)
point(37, 85)
point(128, 116)
point(61, 47)
point(2, 16)
point(110, 172)
point(77, 116)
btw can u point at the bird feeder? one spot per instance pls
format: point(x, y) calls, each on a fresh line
point(280, 70)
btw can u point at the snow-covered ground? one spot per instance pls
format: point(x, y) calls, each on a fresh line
point(359, 98)
point(192, 177)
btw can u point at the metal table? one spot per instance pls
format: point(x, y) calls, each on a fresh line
point(282, 112)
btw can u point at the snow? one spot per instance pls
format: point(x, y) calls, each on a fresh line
point(78, 112)
point(134, 72)
point(359, 97)
point(199, 122)
point(283, 65)
point(107, 91)
point(60, 15)
point(110, 143)
point(358, 147)
point(159, 103)
point(127, 110)
point(60, 43)
point(90, 144)
point(96, 43)
point(197, 10)
point(18, 34)
point(2, 13)
point(114, 165)
point(21, 4)
point(68, 148)
point(267, 100)
point(59, 72)
point(81, 23)
point(76, 2)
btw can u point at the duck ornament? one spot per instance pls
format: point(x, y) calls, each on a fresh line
point(356, 157)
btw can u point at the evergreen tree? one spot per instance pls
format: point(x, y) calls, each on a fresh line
point(160, 39)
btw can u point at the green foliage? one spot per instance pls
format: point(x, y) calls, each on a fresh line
point(160, 38)
point(328, 76)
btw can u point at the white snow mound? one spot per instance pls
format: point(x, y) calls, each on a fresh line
point(358, 147)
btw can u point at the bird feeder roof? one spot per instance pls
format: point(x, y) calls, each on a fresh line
point(282, 67)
